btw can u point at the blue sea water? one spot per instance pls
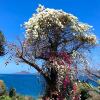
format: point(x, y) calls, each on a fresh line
point(30, 85)
point(88, 80)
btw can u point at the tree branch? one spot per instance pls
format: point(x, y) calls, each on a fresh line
point(44, 74)
point(91, 73)
point(32, 64)
point(40, 57)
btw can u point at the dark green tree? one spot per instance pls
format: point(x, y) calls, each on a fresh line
point(12, 92)
point(2, 41)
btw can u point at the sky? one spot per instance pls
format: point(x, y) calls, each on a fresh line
point(13, 13)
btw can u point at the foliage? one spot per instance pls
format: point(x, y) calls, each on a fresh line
point(20, 98)
point(2, 87)
point(2, 41)
point(84, 94)
point(4, 97)
point(12, 92)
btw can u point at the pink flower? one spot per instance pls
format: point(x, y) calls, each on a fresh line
point(66, 57)
point(74, 87)
point(66, 81)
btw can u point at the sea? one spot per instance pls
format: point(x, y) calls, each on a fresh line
point(25, 84)
point(29, 84)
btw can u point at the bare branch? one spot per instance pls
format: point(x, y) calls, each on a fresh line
point(40, 70)
point(31, 64)
point(91, 73)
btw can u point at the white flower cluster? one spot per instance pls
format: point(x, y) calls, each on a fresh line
point(89, 38)
point(80, 27)
point(47, 21)
point(40, 8)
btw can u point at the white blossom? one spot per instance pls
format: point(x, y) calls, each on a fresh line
point(47, 21)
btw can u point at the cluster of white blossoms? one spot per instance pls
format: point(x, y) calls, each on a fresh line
point(47, 21)
point(91, 39)
point(80, 27)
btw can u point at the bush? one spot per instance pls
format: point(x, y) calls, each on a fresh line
point(12, 92)
point(4, 97)
point(2, 88)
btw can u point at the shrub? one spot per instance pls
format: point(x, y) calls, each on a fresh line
point(12, 92)
point(2, 88)
point(4, 97)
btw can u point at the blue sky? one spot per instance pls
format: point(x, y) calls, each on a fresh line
point(13, 13)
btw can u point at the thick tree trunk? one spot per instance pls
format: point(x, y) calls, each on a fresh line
point(53, 93)
point(52, 90)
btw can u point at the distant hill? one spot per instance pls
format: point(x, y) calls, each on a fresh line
point(23, 72)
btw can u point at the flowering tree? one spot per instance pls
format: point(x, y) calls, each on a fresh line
point(1, 44)
point(59, 39)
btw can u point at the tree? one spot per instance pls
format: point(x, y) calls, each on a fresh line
point(12, 92)
point(60, 40)
point(2, 40)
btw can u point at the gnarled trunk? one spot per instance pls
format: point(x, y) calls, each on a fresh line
point(55, 84)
